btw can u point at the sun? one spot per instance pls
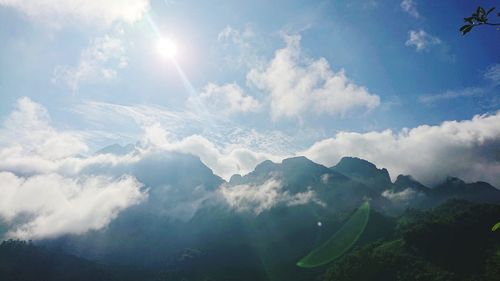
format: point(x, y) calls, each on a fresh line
point(167, 48)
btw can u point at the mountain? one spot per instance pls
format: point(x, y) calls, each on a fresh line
point(299, 174)
point(185, 211)
point(196, 226)
point(454, 187)
point(149, 234)
point(364, 172)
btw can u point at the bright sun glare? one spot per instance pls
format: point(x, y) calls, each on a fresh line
point(167, 48)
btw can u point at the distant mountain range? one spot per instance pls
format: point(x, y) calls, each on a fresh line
point(196, 226)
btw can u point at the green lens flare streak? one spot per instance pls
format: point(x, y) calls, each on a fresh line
point(496, 226)
point(341, 241)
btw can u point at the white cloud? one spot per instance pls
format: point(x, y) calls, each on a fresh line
point(30, 145)
point(263, 197)
point(50, 205)
point(224, 162)
point(99, 61)
point(43, 194)
point(325, 179)
point(410, 7)
point(93, 12)
point(402, 197)
point(240, 46)
point(467, 149)
point(228, 99)
point(236, 36)
point(485, 94)
point(493, 74)
point(298, 85)
point(421, 40)
point(451, 94)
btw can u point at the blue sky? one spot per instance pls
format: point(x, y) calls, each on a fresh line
point(276, 78)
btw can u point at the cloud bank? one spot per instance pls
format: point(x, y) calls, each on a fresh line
point(50, 205)
point(43, 193)
point(466, 149)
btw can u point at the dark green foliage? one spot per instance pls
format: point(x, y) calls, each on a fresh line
point(451, 242)
point(23, 261)
point(479, 17)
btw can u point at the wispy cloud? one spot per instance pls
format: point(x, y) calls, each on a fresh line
point(421, 40)
point(485, 94)
point(240, 46)
point(236, 36)
point(493, 74)
point(227, 99)
point(100, 61)
point(452, 94)
point(224, 147)
point(220, 130)
point(410, 7)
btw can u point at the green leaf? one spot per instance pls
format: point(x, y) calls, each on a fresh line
point(480, 10)
point(464, 27)
point(469, 20)
point(341, 241)
point(496, 226)
point(467, 29)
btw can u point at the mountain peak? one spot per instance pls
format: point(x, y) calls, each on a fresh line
point(265, 166)
point(454, 181)
point(117, 149)
point(454, 187)
point(405, 181)
point(236, 179)
point(348, 161)
point(298, 160)
point(364, 171)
